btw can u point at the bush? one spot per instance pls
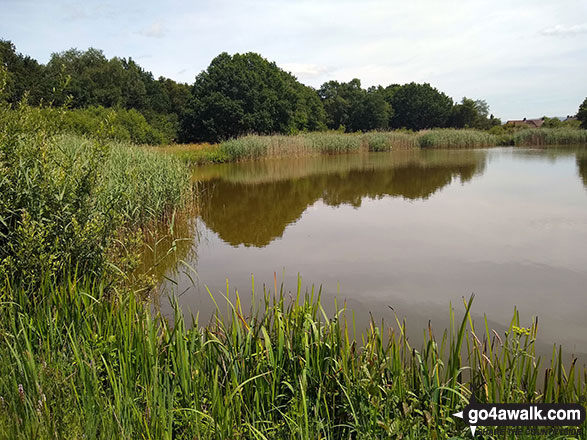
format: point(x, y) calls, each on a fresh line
point(63, 197)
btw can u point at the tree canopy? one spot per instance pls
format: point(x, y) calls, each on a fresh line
point(582, 114)
point(245, 93)
point(353, 108)
point(419, 106)
point(237, 94)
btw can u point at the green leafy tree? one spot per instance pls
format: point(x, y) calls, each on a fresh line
point(582, 114)
point(245, 93)
point(23, 75)
point(354, 108)
point(419, 106)
point(471, 113)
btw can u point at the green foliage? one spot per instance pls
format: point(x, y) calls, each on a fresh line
point(78, 364)
point(88, 80)
point(24, 76)
point(348, 105)
point(452, 138)
point(390, 140)
point(247, 147)
point(553, 136)
point(241, 94)
point(124, 125)
point(420, 106)
point(472, 114)
point(255, 147)
point(582, 114)
point(62, 198)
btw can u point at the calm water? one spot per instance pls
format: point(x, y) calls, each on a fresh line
point(412, 230)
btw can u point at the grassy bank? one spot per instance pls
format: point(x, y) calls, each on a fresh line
point(83, 356)
point(309, 144)
point(74, 363)
point(553, 136)
point(67, 201)
point(450, 138)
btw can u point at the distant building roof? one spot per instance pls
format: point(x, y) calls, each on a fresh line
point(537, 123)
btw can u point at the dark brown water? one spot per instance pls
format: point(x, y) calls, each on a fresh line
point(416, 231)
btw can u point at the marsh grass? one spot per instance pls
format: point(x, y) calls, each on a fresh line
point(390, 140)
point(64, 197)
point(255, 147)
point(549, 136)
point(453, 138)
point(79, 363)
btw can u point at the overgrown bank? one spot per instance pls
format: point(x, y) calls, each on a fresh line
point(65, 199)
point(83, 356)
point(74, 363)
point(256, 147)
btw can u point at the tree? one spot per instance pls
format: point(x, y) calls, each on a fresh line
point(24, 74)
point(471, 113)
point(245, 93)
point(582, 114)
point(350, 106)
point(419, 106)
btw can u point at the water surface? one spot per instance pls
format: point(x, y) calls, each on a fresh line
point(415, 230)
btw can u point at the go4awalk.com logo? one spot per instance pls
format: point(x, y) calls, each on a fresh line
point(522, 414)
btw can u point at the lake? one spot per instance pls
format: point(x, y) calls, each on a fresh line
point(412, 230)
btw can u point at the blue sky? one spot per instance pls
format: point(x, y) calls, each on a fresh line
point(526, 58)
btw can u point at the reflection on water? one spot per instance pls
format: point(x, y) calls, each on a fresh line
point(413, 230)
point(252, 203)
point(582, 165)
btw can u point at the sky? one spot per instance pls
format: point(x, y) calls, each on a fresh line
point(525, 58)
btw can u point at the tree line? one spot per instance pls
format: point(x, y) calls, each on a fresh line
point(236, 95)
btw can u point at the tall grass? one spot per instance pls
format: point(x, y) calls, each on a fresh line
point(390, 140)
point(63, 198)
point(549, 136)
point(254, 147)
point(74, 364)
point(452, 138)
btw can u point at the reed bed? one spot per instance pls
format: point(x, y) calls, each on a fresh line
point(552, 136)
point(75, 363)
point(312, 144)
point(65, 197)
point(255, 147)
point(390, 140)
point(452, 138)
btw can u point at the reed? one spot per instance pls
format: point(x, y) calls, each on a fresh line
point(549, 136)
point(64, 197)
point(79, 363)
point(453, 138)
point(390, 140)
point(254, 147)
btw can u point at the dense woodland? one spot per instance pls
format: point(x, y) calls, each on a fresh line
point(236, 95)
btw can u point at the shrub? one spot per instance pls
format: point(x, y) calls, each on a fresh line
point(62, 198)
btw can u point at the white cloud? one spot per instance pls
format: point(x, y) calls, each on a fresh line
point(156, 30)
point(304, 69)
point(565, 31)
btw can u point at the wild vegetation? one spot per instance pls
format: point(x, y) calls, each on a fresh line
point(236, 95)
point(450, 138)
point(65, 197)
point(555, 136)
point(75, 363)
point(334, 142)
point(82, 355)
